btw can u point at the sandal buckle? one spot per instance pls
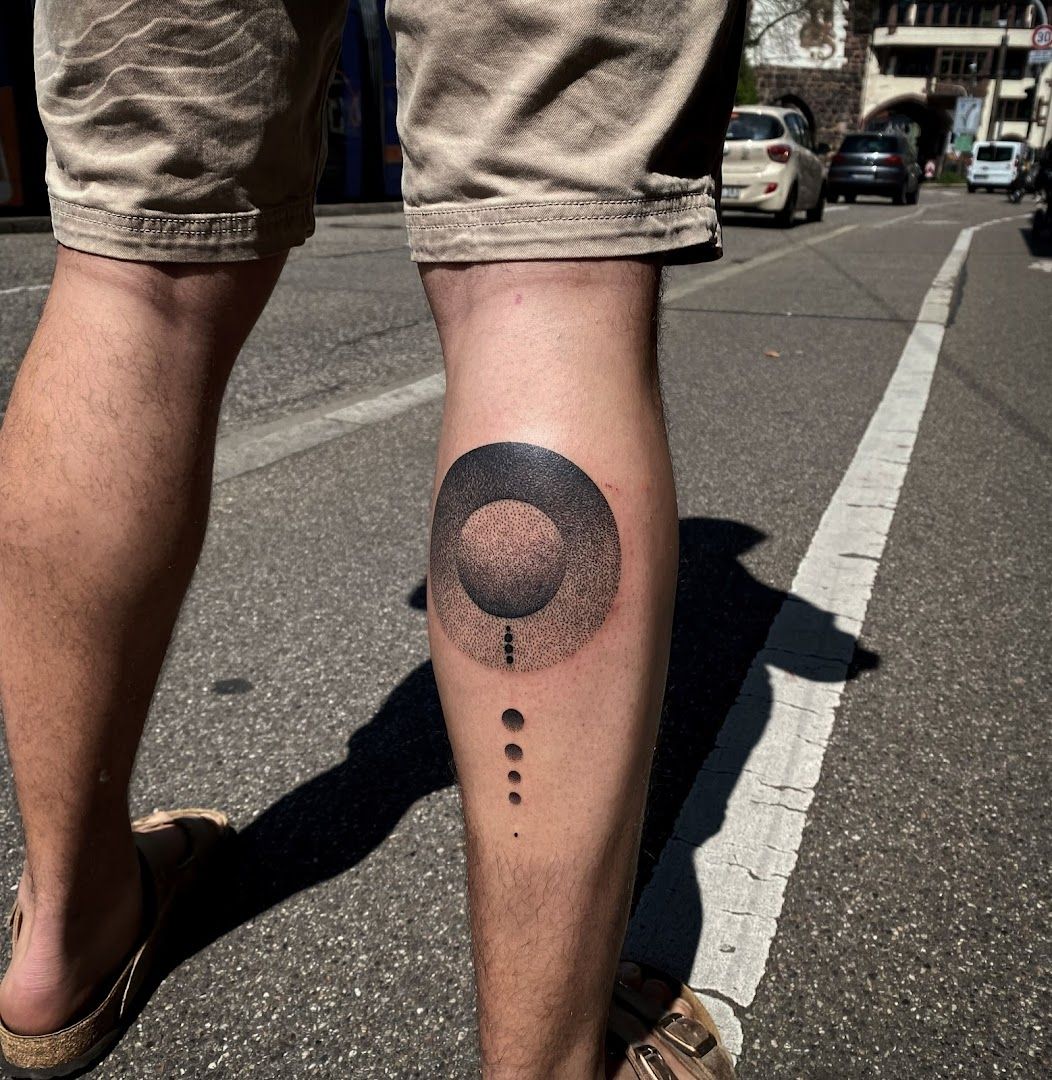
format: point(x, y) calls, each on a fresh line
point(649, 1064)
point(687, 1035)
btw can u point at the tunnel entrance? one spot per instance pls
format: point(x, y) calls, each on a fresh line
point(926, 124)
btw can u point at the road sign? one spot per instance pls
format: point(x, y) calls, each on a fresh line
point(1041, 38)
point(966, 115)
point(1039, 56)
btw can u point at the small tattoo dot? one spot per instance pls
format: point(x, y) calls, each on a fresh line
point(514, 777)
point(510, 659)
point(512, 720)
point(514, 798)
point(515, 835)
point(509, 649)
point(513, 752)
point(508, 638)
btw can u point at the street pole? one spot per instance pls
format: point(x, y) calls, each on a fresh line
point(996, 105)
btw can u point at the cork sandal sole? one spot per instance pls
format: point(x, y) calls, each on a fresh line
point(82, 1044)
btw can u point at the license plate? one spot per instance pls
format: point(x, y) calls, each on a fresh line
point(731, 192)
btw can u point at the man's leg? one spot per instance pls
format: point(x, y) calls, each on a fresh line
point(550, 631)
point(105, 473)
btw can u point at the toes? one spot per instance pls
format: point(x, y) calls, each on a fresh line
point(630, 974)
point(658, 991)
point(682, 1007)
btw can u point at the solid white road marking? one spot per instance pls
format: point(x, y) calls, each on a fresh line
point(695, 282)
point(244, 451)
point(24, 288)
point(1042, 264)
point(902, 217)
point(735, 843)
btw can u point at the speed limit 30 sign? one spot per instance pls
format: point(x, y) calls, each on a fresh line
point(1041, 38)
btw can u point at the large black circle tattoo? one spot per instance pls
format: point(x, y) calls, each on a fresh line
point(525, 556)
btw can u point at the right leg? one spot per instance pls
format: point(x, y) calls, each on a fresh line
point(105, 475)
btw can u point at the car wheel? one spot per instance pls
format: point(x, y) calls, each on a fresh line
point(784, 217)
point(816, 211)
point(899, 198)
point(971, 189)
point(850, 197)
point(832, 196)
point(913, 197)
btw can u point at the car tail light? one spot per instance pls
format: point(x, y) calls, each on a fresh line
point(892, 159)
point(839, 159)
point(780, 152)
point(769, 188)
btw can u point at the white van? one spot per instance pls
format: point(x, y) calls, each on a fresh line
point(996, 164)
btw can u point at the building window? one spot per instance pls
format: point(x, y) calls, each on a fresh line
point(963, 63)
point(1014, 109)
point(907, 63)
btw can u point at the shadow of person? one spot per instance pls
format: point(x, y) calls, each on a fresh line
point(330, 823)
point(723, 617)
point(334, 820)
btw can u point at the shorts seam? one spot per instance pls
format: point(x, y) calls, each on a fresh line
point(220, 224)
point(557, 220)
point(682, 198)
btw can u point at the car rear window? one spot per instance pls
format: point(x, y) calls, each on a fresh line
point(754, 126)
point(869, 144)
point(994, 153)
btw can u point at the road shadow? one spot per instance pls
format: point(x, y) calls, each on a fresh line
point(723, 616)
point(333, 821)
point(1039, 244)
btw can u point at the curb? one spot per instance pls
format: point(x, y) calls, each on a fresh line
point(42, 223)
point(354, 209)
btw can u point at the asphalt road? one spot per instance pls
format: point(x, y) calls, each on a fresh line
point(914, 939)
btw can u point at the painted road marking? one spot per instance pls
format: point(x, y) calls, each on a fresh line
point(695, 282)
point(902, 217)
point(254, 448)
point(24, 288)
point(736, 840)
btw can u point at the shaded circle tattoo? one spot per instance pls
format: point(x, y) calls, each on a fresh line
point(525, 556)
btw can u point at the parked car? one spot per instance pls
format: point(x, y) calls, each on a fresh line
point(872, 163)
point(997, 165)
point(771, 164)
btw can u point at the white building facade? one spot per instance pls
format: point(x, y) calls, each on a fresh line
point(924, 56)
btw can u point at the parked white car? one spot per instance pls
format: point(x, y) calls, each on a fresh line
point(771, 164)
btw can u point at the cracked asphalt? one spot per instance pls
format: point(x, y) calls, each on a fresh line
point(915, 935)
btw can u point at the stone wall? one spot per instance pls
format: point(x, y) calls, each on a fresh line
point(834, 96)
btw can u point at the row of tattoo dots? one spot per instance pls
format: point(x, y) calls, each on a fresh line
point(513, 720)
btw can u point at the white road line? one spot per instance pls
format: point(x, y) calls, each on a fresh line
point(244, 451)
point(24, 288)
point(685, 288)
point(735, 843)
point(902, 217)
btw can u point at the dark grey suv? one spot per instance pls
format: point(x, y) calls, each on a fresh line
point(874, 164)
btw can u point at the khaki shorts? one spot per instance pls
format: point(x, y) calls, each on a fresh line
point(191, 130)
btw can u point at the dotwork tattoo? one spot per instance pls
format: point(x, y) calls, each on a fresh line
point(514, 721)
point(525, 556)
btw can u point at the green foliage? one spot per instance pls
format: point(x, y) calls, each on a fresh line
point(746, 93)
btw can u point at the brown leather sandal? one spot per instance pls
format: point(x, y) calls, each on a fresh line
point(692, 1042)
point(85, 1042)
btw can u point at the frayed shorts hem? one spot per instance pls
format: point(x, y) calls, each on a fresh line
point(153, 236)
